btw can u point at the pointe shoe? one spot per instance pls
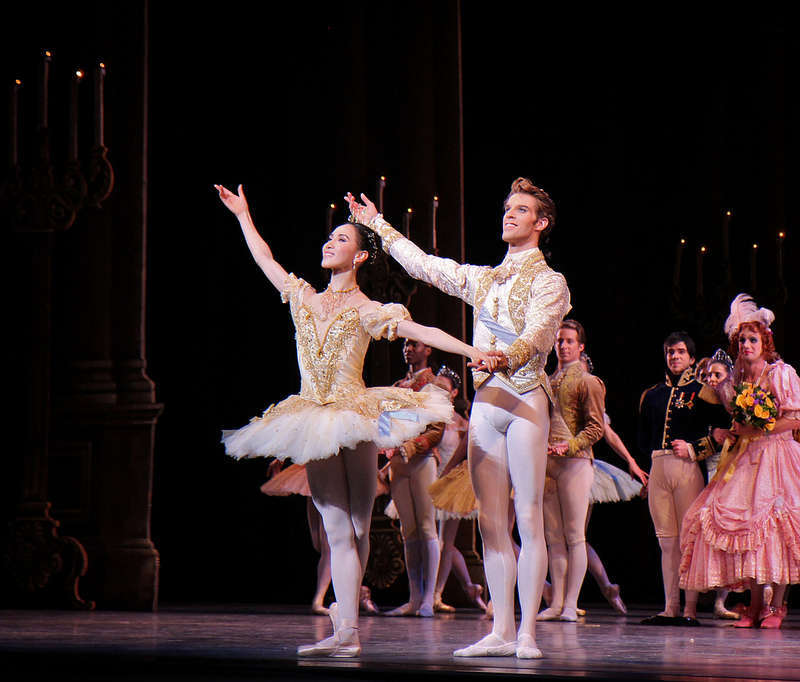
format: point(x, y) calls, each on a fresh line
point(568, 615)
point(526, 647)
point(440, 607)
point(722, 613)
point(549, 614)
point(581, 612)
point(611, 593)
point(489, 613)
point(774, 618)
point(491, 645)
point(475, 592)
point(344, 643)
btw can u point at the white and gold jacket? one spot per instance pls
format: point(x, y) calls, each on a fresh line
point(518, 305)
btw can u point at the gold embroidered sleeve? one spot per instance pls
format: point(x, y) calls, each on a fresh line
point(592, 397)
point(382, 322)
point(293, 288)
point(424, 442)
point(548, 304)
point(445, 274)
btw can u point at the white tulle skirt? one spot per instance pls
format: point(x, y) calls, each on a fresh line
point(303, 430)
point(612, 484)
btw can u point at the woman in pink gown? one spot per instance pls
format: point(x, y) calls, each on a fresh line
point(744, 528)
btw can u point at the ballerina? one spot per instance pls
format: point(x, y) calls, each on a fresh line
point(336, 425)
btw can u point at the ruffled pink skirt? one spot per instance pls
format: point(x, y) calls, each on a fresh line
point(749, 526)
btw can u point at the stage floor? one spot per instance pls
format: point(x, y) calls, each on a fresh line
point(233, 642)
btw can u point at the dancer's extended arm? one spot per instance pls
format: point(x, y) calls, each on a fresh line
point(616, 444)
point(445, 274)
point(262, 254)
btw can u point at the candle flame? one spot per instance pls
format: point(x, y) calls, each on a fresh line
point(781, 234)
point(48, 54)
point(683, 241)
point(435, 198)
point(333, 205)
point(727, 213)
point(17, 82)
point(102, 65)
point(383, 178)
point(702, 249)
point(79, 74)
point(755, 246)
point(410, 210)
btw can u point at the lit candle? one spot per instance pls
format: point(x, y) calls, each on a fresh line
point(99, 106)
point(781, 236)
point(407, 222)
point(753, 276)
point(12, 122)
point(700, 254)
point(381, 187)
point(73, 115)
point(331, 209)
point(47, 57)
point(676, 275)
point(433, 224)
point(726, 230)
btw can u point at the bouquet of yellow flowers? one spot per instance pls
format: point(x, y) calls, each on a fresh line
point(754, 406)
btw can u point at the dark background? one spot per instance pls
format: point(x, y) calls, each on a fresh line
point(643, 131)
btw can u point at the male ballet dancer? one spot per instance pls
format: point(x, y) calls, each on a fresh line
point(580, 405)
point(518, 307)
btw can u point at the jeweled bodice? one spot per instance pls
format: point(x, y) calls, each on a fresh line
point(332, 361)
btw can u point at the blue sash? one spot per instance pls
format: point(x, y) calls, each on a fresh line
point(385, 420)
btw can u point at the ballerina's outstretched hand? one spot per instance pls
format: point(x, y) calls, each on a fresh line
point(362, 213)
point(235, 203)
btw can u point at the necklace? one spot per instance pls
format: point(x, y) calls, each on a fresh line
point(332, 299)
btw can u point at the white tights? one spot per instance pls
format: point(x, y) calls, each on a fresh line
point(566, 505)
point(409, 488)
point(343, 490)
point(507, 447)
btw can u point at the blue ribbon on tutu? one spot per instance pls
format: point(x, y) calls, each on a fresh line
point(507, 336)
point(385, 419)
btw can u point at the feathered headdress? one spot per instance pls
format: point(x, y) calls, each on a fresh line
point(744, 309)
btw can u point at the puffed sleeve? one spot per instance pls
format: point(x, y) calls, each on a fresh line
point(548, 304)
point(293, 290)
point(445, 274)
point(786, 389)
point(381, 323)
point(592, 396)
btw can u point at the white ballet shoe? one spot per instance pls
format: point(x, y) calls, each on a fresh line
point(491, 645)
point(568, 615)
point(343, 644)
point(526, 647)
point(549, 614)
point(425, 611)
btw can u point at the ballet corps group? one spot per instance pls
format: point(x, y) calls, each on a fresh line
point(523, 454)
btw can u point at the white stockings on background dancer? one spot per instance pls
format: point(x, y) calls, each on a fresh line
point(507, 446)
point(343, 490)
point(566, 506)
point(409, 488)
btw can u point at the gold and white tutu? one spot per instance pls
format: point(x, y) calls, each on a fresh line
point(334, 409)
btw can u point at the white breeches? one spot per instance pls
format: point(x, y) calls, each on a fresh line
point(409, 489)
